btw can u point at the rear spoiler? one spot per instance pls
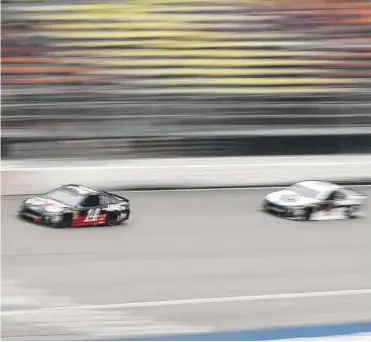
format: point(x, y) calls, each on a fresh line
point(111, 194)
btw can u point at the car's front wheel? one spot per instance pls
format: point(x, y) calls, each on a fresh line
point(65, 221)
point(111, 219)
point(352, 211)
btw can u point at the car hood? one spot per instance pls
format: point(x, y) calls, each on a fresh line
point(289, 198)
point(45, 205)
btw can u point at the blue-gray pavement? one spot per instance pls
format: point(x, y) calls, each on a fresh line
point(318, 331)
point(182, 245)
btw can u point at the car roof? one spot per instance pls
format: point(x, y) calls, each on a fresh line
point(320, 186)
point(80, 190)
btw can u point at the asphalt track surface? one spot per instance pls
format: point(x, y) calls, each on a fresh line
point(178, 246)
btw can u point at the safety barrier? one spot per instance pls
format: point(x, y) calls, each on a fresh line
point(29, 177)
point(119, 141)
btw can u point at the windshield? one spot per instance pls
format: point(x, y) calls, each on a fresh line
point(64, 197)
point(303, 191)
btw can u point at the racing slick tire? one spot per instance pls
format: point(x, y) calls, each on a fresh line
point(307, 213)
point(111, 219)
point(351, 211)
point(65, 222)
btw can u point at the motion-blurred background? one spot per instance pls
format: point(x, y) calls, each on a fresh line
point(164, 78)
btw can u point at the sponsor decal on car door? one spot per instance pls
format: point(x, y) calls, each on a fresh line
point(89, 217)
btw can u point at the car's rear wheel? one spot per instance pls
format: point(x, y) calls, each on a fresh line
point(307, 213)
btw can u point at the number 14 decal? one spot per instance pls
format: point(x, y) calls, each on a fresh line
point(93, 215)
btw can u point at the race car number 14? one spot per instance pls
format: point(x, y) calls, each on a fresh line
point(93, 215)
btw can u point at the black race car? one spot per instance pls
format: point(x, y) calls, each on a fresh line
point(76, 206)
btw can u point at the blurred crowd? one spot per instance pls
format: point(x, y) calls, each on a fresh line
point(186, 46)
point(157, 70)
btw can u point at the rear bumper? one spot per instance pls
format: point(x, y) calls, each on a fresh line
point(274, 208)
point(278, 210)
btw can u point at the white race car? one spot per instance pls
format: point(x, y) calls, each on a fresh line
point(316, 200)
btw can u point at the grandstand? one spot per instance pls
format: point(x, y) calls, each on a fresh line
point(184, 77)
point(190, 47)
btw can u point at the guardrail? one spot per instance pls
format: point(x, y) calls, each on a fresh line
point(227, 108)
point(167, 141)
point(28, 177)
